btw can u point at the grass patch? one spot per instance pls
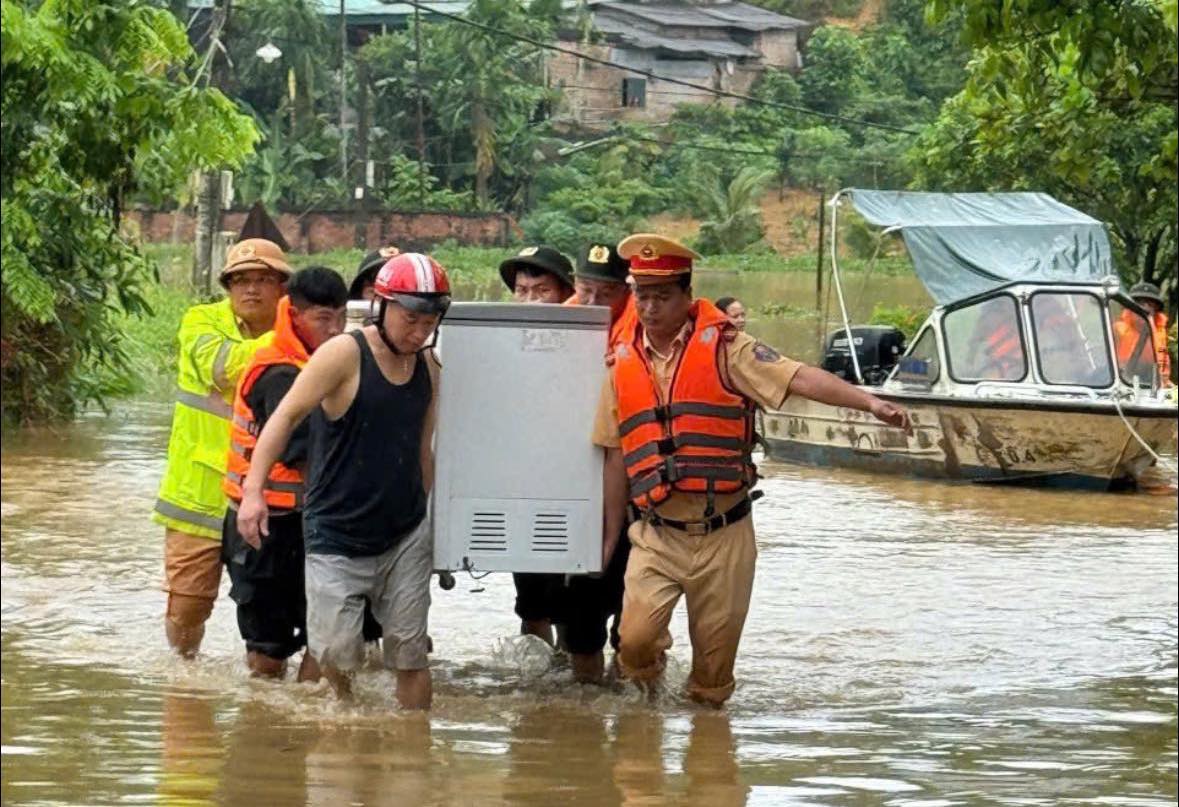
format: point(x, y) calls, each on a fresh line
point(150, 342)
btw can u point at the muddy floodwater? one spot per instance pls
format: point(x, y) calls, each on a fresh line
point(908, 644)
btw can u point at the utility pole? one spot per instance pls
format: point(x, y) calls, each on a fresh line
point(343, 91)
point(208, 215)
point(361, 183)
point(417, 74)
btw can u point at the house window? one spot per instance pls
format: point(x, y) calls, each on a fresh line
point(634, 92)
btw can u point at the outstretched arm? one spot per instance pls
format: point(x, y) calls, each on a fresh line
point(822, 386)
point(327, 370)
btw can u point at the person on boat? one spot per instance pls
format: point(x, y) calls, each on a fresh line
point(734, 309)
point(268, 581)
point(676, 421)
point(591, 602)
point(1128, 330)
point(372, 397)
point(997, 346)
point(1065, 351)
point(538, 274)
point(216, 342)
point(361, 287)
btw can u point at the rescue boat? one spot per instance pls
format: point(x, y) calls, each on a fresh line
point(1034, 367)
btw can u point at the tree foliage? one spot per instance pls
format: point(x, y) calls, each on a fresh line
point(600, 194)
point(1075, 98)
point(733, 212)
point(482, 98)
point(95, 104)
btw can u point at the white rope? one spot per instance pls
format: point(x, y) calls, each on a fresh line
point(1160, 460)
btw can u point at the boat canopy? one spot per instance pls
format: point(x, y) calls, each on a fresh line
point(963, 244)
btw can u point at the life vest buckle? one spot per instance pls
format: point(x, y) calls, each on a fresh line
point(671, 471)
point(666, 446)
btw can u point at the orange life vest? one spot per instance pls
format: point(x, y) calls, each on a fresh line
point(1127, 329)
point(700, 440)
point(1004, 352)
point(284, 486)
point(623, 324)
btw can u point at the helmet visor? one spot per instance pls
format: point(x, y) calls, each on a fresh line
point(423, 303)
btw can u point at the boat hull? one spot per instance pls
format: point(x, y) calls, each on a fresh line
point(1082, 445)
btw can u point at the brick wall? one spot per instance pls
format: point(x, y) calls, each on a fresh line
point(779, 49)
point(336, 229)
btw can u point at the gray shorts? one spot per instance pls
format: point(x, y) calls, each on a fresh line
point(397, 583)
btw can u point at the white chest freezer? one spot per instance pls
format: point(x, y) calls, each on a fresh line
point(518, 483)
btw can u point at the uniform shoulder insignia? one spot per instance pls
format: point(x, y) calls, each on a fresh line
point(763, 352)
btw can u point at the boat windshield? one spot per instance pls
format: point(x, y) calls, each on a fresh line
point(1071, 343)
point(920, 367)
point(1135, 351)
point(984, 341)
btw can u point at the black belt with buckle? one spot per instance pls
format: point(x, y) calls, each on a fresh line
point(734, 514)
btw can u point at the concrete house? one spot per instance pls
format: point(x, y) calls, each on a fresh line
point(720, 44)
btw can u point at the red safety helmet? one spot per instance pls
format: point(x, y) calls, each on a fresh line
point(415, 281)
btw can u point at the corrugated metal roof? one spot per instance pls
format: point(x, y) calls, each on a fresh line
point(712, 15)
point(646, 40)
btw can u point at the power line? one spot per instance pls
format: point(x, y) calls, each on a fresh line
point(647, 73)
point(703, 147)
point(785, 153)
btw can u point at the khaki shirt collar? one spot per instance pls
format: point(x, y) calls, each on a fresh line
point(677, 344)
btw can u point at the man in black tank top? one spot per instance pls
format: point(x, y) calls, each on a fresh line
point(372, 398)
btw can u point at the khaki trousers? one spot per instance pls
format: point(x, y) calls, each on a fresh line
point(715, 574)
point(192, 571)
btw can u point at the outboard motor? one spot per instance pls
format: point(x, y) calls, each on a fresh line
point(878, 347)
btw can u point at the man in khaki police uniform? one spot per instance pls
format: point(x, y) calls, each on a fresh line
point(676, 420)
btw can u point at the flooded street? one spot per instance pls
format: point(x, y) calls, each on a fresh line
point(908, 644)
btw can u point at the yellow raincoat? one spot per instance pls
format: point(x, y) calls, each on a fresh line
point(213, 354)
